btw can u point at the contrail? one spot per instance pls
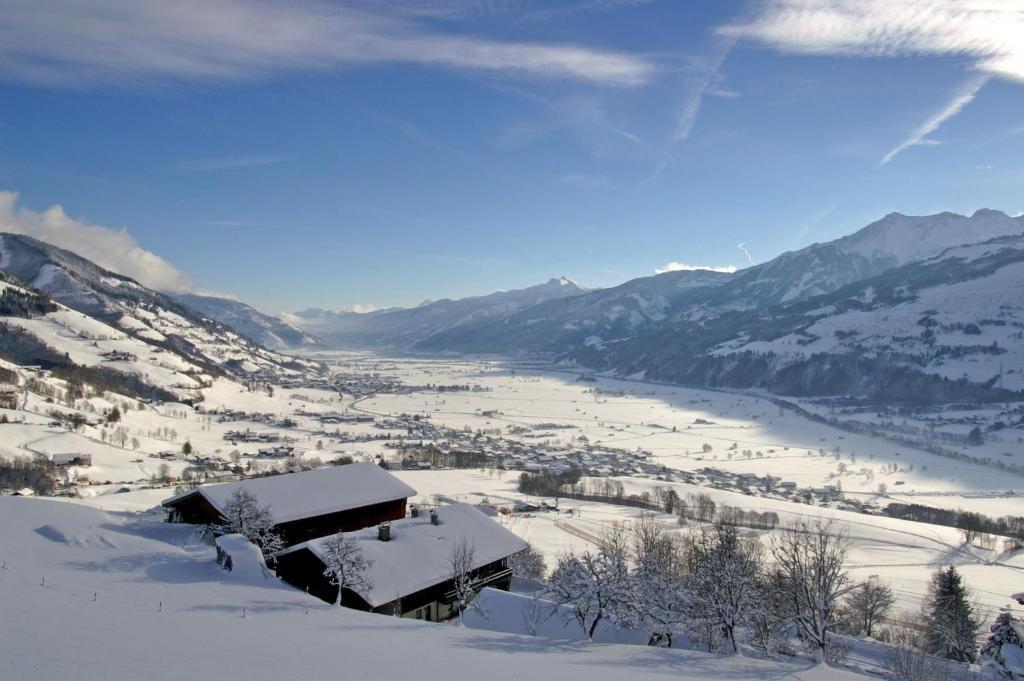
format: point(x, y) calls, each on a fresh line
point(743, 247)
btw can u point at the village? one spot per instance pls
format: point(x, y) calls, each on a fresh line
point(523, 464)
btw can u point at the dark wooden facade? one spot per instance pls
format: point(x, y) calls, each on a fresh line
point(196, 510)
point(302, 569)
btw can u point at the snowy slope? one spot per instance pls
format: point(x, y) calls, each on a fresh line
point(109, 312)
point(904, 238)
point(261, 328)
point(958, 315)
point(103, 595)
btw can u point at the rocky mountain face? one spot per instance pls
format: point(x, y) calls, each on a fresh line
point(270, 332)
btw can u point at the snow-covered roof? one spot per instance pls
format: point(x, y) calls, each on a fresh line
point(416, 557)
point(293, 496)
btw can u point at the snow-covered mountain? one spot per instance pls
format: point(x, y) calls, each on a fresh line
point(270, 332)
point(758, 327)
point(900, 239)
point(403, 328)
point(947, 328)
point(618, 314)
point(64, 311)
point(555, 325)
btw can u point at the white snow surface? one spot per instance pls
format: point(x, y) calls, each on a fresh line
point(506, 612)
point(155, 605)
point(247, 562)
point(906, 238)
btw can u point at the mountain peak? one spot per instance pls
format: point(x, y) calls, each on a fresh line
point(563, 281)
point(988, 213)
point(904, 238)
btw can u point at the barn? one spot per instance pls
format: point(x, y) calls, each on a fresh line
point(410, 575)
point(304, 505)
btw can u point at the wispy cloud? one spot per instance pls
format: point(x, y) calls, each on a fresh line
point(114, 249)
point(126, 42)
point(411, 132)
point(964, 96)
point(986, 32)
point(568, 9)
point(229, 162)
point(708, 83)
point(584, 114)
point(746, 252)
point(685, 267)
point(814, 218)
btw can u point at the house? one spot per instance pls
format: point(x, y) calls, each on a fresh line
point(119, 356)
point(71, 459)
point(8, 397)
point(410, 574)
point(304, 505)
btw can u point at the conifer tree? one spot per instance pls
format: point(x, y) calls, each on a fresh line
point(951, 626)
point(999, 646)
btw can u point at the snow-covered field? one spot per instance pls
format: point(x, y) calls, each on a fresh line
point(102, 595)
point(900, 552)
point(106, 543)
point(675, 424)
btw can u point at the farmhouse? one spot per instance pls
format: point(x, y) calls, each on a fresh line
point(71, 459)
point(410, 575)
point(305, 505)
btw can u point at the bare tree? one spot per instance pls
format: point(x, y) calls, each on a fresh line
point(595, 587)
point(723, 579)
point(528, 563)
point(906, 660)
point(243, 515)
point(345, 566)
point(769, 622)
point(657, 593)
point(533, 610)
point(871, 601)
point(460, 569)
point(810, 557)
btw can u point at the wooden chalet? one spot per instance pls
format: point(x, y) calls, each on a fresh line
point(304, 505)
point(410, 575)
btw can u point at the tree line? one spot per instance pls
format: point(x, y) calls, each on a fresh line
point(971, 522)
point(699, 507)
point(720, 589)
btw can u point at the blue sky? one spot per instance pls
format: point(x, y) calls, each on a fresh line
point(336, 154)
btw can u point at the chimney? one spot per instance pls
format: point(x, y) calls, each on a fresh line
point(434, 519)
point(384, 532)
